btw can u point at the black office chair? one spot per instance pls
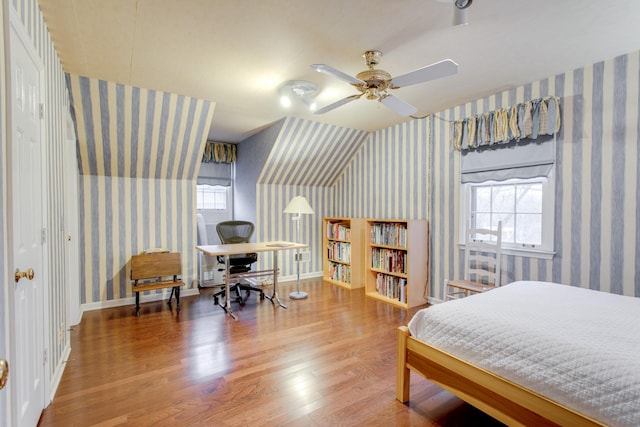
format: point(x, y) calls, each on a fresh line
point(237, 232)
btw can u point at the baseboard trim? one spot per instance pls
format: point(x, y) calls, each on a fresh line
point(57, 374)
point(165, 293)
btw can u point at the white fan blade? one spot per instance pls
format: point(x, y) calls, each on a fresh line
point(398, 105)
point(337, 104)
point(326, 69)
point(438, 70)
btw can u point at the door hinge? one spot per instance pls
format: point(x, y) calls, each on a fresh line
point(41, 111)
point(44, 357)
point(44, 236)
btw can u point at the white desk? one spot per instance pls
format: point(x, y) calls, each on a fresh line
point(246, 248)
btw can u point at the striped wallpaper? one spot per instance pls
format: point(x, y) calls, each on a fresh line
point(310, 153)
point(597, 229)
point(306, 159)
point(139, 153)
point(273, 224)
point(122, 216)
point(387, 178)
point(55, 105)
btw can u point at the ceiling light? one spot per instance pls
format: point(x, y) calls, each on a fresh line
point(285, 101)
point(298, 89)
point(460, 11)
point(463, 4)
point(460, 16)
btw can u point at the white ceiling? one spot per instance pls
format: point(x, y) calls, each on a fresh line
point(238, 52)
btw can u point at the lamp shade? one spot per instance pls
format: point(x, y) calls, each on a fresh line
point(298, 205)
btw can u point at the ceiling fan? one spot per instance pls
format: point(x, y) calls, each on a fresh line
point(375, 83)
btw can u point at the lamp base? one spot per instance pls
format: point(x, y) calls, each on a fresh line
point(298, 295)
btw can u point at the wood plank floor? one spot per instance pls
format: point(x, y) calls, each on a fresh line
point(328, 360)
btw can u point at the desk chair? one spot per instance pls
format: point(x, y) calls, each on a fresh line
point(237, 232)
point(482, 263)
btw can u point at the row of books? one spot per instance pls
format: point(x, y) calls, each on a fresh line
point(391, 260)
point(391, 234)
point(340, 272)
point(340, 251)
point(392, 287)
point(338, 231)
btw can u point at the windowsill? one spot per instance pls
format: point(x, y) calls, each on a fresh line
point(524, 252)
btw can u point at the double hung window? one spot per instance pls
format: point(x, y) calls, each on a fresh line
point(515, 185)
point(213, 197)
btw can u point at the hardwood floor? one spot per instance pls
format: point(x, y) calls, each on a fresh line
point(328, 360)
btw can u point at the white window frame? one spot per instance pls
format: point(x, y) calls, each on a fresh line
point(216, 189)
point(546, 249)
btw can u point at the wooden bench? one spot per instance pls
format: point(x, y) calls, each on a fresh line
point(151, 271)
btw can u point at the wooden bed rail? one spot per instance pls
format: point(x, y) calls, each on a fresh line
point(504, 400)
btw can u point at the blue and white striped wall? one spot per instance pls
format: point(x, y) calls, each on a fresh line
point(139, 153)
point(56, 106)
point(597, 228)
point(306, 160)
point(388, 177)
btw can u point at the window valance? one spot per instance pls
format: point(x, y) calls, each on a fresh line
point(219, 152)
point(526, 120)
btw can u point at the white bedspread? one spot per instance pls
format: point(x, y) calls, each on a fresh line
point(578, 347)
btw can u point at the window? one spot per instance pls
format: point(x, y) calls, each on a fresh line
point(213, 197)
point(525, 207)
point(513, 183)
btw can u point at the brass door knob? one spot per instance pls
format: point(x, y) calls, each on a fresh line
point(29, 274)
point(4, 372)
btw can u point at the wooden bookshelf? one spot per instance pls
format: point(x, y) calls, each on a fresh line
point(343, 260)
point(396, 261)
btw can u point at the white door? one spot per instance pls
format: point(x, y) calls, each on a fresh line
point(27, 235)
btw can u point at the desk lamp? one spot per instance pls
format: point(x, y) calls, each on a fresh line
point(298, 205)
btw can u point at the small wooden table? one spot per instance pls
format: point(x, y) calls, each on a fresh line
point(246, 248)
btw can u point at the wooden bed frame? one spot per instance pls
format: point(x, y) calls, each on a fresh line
point(504, 400)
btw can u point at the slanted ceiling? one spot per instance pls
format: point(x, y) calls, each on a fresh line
point(125, 131)
point(310, 153)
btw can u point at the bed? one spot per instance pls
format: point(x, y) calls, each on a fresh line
point(531, 353)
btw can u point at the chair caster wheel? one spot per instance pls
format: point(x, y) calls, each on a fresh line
point(241, 301)
point(261, 296)
point(215, 300)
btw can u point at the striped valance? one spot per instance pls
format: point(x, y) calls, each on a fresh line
point(525, 120)
point(219, 152)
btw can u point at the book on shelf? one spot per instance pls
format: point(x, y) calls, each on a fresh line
point(339, 272)
point(391, 260)
point(336, 230)
point(392, 287)
point(390, 234)
point(339, 251)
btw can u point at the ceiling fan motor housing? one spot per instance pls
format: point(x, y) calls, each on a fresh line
point(375, 78)
point(375, 81)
